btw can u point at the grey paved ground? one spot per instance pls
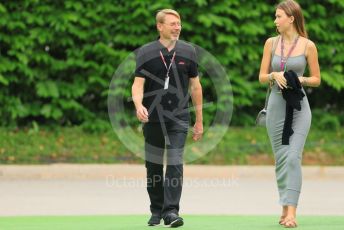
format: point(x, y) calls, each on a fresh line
point(63, 189)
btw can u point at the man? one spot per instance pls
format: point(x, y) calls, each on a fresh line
point(165, 70)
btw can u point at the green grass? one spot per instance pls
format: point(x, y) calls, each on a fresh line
point(239, 145)
point(205, 222)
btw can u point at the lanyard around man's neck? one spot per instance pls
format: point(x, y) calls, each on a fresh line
point(167, 78)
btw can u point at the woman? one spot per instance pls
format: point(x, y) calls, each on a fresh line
point(290, 50)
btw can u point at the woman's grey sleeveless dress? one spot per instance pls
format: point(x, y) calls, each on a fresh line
point(288, 157)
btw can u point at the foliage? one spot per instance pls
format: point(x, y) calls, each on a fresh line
point(326, 121)
point(58, 57)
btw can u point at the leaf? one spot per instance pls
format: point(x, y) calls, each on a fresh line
point(47, 89)
point(3, 80)
point(3, 9)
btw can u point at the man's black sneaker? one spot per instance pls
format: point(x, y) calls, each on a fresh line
point(173, 220)
point(154, 220)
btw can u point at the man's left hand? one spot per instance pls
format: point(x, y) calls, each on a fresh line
point(198, 131)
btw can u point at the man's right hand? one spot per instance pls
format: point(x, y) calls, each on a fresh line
point(142, 114)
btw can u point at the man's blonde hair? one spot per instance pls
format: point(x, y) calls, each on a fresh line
point(160, 16)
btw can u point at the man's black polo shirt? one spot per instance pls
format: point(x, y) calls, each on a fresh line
point(171, 103)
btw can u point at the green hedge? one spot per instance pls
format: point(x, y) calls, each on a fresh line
point(58, 57)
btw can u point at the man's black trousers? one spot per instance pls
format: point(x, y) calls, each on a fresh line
point(164, 191)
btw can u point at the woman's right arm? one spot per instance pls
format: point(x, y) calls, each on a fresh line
point(265, 64)
point(264, 75)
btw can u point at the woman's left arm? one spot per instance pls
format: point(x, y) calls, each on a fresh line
point(312, 59)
